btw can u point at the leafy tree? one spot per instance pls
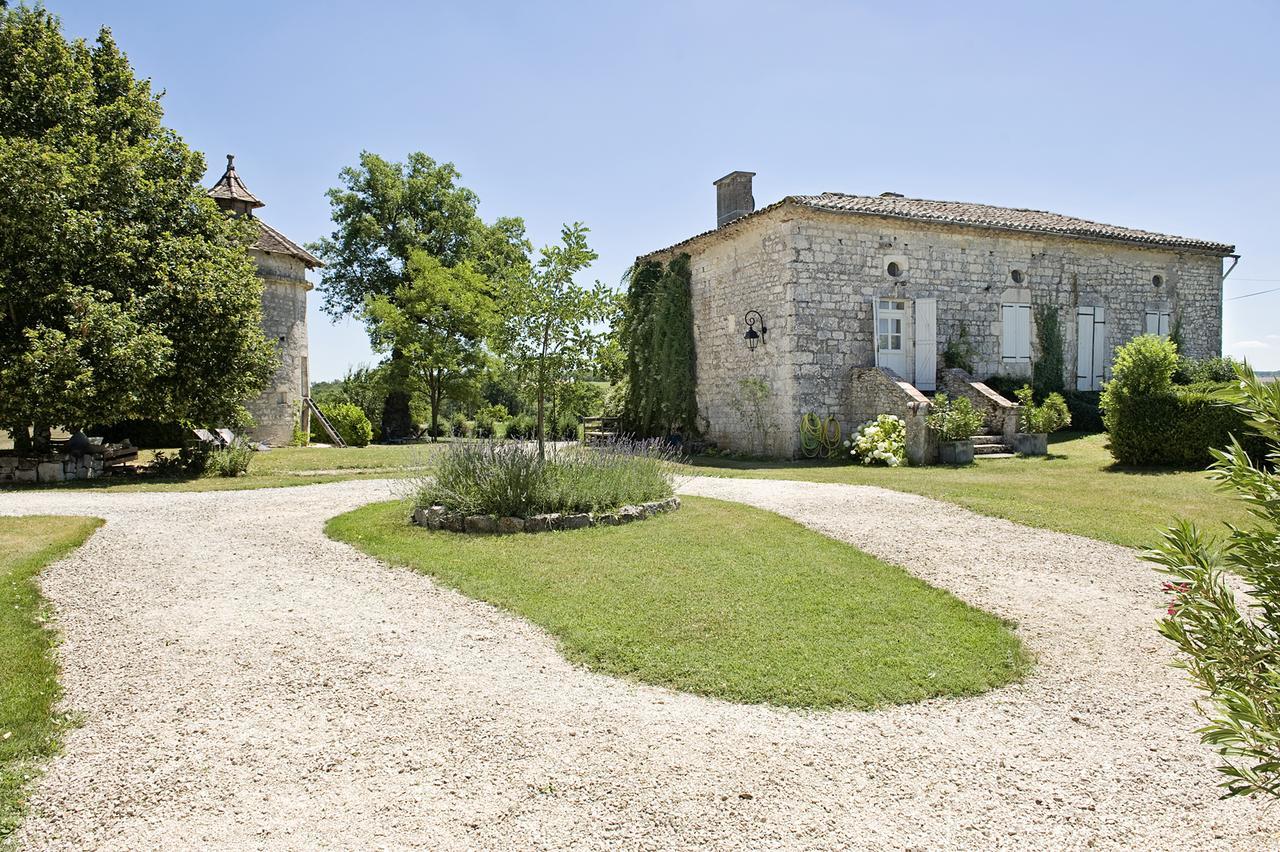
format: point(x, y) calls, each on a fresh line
point(124, 291)
point(363, 386)
point(547, 328)
point(1232, 651)
point(438, 322)
point(383, 214)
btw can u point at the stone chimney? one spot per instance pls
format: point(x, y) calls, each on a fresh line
point(733, 197)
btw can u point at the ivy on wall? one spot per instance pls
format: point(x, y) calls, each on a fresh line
point(657, 336)
point(1046, 374)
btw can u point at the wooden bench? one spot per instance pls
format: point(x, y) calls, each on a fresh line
point(599, 430)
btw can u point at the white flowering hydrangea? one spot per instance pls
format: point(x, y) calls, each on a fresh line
point(880, 441)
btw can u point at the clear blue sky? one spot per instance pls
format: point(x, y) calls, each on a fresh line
point(1153, 115)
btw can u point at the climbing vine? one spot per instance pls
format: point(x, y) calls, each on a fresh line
point(1046, 374)
point(657, 335)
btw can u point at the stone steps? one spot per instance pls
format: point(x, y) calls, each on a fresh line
point(991, 447)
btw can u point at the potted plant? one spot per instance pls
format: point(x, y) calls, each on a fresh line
point(1037, 421)
point(954, 421)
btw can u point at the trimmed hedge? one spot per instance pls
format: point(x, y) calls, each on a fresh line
point(1177, 429)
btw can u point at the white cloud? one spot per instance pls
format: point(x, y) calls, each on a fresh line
point(1252, 344)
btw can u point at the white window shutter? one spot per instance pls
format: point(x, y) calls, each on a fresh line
point(1024, 332)
point(926, 344)
point(1008, 333)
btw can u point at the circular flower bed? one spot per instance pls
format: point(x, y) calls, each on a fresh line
point(441, 518)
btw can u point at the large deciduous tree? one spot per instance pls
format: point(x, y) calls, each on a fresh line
point(383, 214)
point(438, 322)
point(124, 291)
point(549, 322)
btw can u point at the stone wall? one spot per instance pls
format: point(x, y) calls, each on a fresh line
point(55, 467)
point(872, 391)
point(284, 321)
point(841, 266)
point(815, 277)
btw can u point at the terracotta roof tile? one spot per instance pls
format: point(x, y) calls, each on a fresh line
point(978, 216)
point(271, 240)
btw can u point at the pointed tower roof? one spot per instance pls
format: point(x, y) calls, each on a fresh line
point(230, 188)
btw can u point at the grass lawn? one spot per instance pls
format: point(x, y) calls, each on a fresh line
point(1076, 488)
point(718, 599)
point(29, 731)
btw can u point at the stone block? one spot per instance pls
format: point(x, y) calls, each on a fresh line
point(576, 522)
point(452, 522)
point(8, 462)
point(608, 519)
point(506, 526)
point(480, 524)
point(627, 514)
point(543, 523)
point(419, 517)
point(49, 472)
point(24, 474)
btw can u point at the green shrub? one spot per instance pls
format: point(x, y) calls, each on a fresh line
point(566, 428)
point(522, 427)
point(1230, 645)
point(230, 461)
point(1151, 421)
point(487, 419)
point(954, 419)
point(510, 480)
point(1049, 416)
point(350, 421)
point(458, 425)
point(203, 459)
point(1190, 371)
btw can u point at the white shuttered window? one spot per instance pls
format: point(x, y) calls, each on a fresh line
point(1016, 338)
point(1158, 323)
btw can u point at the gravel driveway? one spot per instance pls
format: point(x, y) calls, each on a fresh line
point(245, 682)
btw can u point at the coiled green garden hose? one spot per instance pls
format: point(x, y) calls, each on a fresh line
point(819, 436)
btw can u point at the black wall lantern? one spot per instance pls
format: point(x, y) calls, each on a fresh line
point(754, 338)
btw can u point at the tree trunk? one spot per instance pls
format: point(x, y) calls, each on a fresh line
point(40, 438)
point(542, 393)
point(21, 438)
point(435, 383)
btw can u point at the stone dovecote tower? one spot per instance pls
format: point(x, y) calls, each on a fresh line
point(282, 266)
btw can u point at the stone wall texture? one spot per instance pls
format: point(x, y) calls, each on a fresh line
point(284, 320)
point(815, 277)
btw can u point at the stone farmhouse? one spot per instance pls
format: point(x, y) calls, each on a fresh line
point(855, 300)
point(282, 266)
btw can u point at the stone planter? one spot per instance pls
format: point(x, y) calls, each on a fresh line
point(956, 452)
point(1032, 444)
point(440, 518)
